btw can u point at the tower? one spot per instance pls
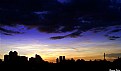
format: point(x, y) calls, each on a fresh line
point(13, 56)
point(104, 56)
point(60, 58)
point(63, 58)
point(57, 60)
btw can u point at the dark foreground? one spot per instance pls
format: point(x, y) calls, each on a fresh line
point(66, 66)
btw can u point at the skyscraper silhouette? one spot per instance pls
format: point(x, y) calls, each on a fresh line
point(60, 58)
point(14, 58)
point(57, 60)
point(63, 58)
point(104, 56)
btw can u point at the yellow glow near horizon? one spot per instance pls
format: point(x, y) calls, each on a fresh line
point(50, 54)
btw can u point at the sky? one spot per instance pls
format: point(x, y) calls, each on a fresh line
point(90, 46)
point(71, 28)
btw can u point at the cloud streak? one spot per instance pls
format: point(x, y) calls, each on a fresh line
point(114, 55)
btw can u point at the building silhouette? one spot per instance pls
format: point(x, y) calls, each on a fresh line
point(6, 58)
point(64, 58)
point(32, 60)
point(22, 59)
point(61, 59)
point(14, 58)
point(37, 59)
point(0, 60)
point(13, 62)
point(104, 56)
point(57, 60)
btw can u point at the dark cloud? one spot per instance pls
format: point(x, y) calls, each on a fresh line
point(72, 35)
point(57, 37)
point(113, 37)
point(8, 32)
point(81, 15)
point(114, 31)
point(115, 55)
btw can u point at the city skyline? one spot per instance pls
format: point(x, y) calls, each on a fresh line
point(13, 61)
point(14, 55)
point(59, 59)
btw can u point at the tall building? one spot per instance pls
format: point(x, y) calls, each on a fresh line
point(63, 58)
point(57, 60)
point(60, 58)
point(13, 54)
point(14, 58)
point(104, 56)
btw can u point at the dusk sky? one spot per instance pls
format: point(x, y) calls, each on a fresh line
point(73, 30)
